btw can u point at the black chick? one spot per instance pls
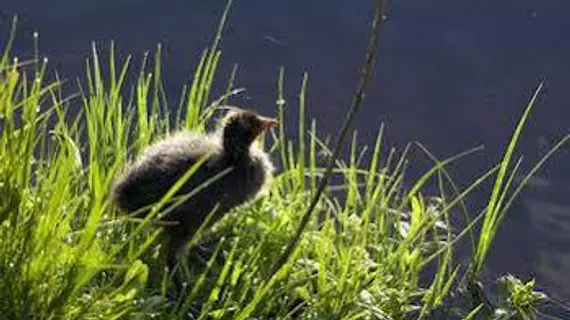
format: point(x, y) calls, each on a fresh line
point(231, 149)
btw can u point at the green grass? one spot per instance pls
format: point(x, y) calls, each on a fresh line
point(385, 251)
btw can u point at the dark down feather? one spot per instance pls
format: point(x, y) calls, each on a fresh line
point(231, 148)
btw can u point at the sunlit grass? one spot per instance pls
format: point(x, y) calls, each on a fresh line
point(376, 248)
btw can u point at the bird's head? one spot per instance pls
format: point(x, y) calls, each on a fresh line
point(241, 128)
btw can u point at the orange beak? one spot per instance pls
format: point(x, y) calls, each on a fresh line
point(267, 123)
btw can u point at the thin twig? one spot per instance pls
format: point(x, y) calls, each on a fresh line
point(371, 51)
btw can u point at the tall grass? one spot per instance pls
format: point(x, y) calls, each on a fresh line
point(381, 250)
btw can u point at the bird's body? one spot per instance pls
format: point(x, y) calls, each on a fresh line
point(235, 170)
point(231, 183)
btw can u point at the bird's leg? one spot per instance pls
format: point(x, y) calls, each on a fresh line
point(168, 223)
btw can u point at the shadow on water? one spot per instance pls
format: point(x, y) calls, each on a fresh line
point(451, 74)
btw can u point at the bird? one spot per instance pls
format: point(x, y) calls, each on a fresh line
point(234, 165)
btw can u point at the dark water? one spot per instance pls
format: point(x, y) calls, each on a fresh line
point(451, 73)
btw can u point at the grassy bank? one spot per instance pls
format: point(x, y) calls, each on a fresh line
point(385, 251)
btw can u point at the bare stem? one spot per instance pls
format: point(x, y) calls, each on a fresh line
point(371, 51)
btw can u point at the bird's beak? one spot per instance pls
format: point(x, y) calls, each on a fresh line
point(267, 123)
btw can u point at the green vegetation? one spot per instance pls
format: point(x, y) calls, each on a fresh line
point(374, 249)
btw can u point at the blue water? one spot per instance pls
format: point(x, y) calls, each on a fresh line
point(451, 74)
